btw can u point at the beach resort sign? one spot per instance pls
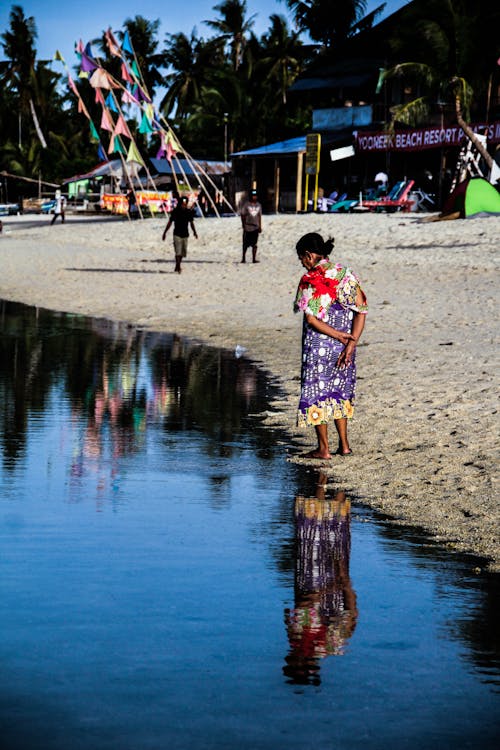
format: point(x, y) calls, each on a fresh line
point(419, 139)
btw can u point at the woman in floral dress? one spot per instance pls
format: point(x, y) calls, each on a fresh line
point(334, 307)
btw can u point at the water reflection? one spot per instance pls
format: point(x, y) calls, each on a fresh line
point(119, 384)
point(325, 612)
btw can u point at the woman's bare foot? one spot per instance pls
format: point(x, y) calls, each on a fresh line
point(341, 452)
point(317, 454)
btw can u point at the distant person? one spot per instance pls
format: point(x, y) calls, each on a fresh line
point(334, 307)
point(182, 218)
point(59, 207)
point(381, 180)
point(251, 221)
point(132, 204)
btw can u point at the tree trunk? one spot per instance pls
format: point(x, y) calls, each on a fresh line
point(471, 135)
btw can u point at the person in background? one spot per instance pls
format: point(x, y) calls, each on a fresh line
point(381, 183)
point(334, 307)
point(251, 221)
point(133, 211)
point(59, 207)
point(182, 218)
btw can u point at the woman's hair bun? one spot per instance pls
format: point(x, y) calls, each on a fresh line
point(314, 243)
point(328, 246)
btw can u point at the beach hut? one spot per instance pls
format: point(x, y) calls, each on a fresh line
point(473, 197)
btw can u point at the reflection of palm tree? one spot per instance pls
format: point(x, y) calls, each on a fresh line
point(325, 612)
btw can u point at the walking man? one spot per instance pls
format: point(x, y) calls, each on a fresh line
point(59, 207)
point(182, 218)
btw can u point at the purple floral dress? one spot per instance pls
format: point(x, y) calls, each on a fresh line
point(329, 292)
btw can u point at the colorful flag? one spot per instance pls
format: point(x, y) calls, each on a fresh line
point(72, 85)
point(106, 121)
point(126, 75)
point(58, 56)
point(127, 97)
point(115, 147)
point(113, 46)
point(121, 128)
point(87, 64)
point(94, 135)
point(127, 44)
point(110, 103)
point(133, 154)
point(100, 78)
point(145, 126)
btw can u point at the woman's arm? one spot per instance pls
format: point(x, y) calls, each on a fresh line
point(358, 325)
point(167, 228)
point(322, 327)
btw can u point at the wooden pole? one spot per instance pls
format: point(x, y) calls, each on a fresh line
point(298, 190)
point(276, 185)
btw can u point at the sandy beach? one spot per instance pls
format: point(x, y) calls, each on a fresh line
point(425, 432)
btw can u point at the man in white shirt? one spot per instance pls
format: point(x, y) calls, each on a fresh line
point(251, 221)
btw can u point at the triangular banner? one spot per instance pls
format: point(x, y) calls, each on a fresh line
point(126, 75)
point(106, 121)
point(110, 103)
point(127, 44)
point(127, 97)
point(87, 64)
point(94, 135)
point(100, 78)
point(134, 155)
point(115, 147)
point(121, 128)
point(145, 126)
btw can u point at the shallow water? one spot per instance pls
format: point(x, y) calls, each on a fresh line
point(168, 580)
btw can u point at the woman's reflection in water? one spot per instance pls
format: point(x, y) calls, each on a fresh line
point(325, 612)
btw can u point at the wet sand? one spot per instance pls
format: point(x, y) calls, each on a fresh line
point(425, 432)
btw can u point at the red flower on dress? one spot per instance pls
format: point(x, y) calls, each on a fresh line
point(320, 283)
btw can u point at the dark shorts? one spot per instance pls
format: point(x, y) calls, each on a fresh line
point(250, 239)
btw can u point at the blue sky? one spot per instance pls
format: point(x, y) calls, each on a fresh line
point(61, 23)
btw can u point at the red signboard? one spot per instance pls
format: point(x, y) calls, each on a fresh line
point(419, 139)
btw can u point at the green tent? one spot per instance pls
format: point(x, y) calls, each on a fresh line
point(473, 197)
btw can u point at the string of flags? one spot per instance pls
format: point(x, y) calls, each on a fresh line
point(113, 94)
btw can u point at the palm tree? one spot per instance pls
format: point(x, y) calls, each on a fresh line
point(283, 53)
point(445, 37)
point(327, 21)
point(16, 71)
point(233, 27)
point(190, 60)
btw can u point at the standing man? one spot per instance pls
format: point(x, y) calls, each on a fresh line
point(182, 218)
point(251, 221)
point(59, 207)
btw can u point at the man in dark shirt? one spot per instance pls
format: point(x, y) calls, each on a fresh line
point(182, 218)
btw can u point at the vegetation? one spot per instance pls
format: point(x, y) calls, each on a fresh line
point(229, 90)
